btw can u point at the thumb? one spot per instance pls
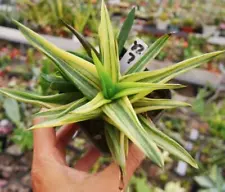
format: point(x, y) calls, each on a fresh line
point(135, 157)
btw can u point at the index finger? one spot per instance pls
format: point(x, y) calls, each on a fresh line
point(44, 138)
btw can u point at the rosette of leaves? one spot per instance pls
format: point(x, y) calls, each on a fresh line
point(93, 87)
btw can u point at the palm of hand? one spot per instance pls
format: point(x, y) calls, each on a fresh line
point(50, 172)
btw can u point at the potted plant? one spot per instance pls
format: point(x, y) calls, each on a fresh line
point(212, 181)
point(174, 24)
point(162, 22)
point(198, 28)
point(97, 91)
point(82, 15)
point(188, 25)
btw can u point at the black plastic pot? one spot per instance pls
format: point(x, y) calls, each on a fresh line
point(94, 129)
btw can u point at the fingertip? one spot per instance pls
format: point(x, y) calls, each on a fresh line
point(44, 137)
point(37, 120)
point(135, 158)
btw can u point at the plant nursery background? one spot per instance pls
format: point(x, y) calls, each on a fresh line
point(197, 27)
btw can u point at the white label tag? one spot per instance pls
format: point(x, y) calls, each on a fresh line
point(181, 168)
point(135, 51)
point(189, 146)
point(194, 134)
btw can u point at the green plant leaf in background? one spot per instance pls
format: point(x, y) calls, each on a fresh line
point(23, 138)
point(12, 110)
point(213, 181)
point(140, 184)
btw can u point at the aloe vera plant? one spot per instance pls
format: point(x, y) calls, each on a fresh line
point(97, 90)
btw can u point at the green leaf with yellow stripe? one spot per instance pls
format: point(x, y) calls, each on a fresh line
point(166, 142)
point(122, 114)
point(115, 141)
point(167, 73)
point(79, 71)
point(147, 104)
point(68, 119)
point(108, 45)
point(44, 101)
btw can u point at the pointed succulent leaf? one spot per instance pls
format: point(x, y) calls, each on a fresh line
point(159, 102)
point(56, 111)
point(126, 145)
point(146, 104)
point(149, 55)
point(12, 110)
point(85, 57)
point(108, 45)
point(166, 142)
point(125, 30)
point(53, 112)
point(80, 72)
point(75, 105)
point(56, 8)
point(122, 114)
point(108, 86)
point(68, 119)
point(45, 101)
point(113, 139)
point(165, 74)
point(95, 103)
point(87, 46)
point(204, 181)
point(57, 83)
point(62, 109)
point(125, 89)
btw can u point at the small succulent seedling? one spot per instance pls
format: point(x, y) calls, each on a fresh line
point(97, 89)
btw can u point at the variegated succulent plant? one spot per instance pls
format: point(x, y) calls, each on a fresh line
point(93, 87)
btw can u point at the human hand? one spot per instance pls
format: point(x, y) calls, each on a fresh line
point(50, 172)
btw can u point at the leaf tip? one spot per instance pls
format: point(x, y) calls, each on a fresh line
point(133, 10)
point(188, 105)
point(161, 163)
point(31, 128)
point(195, 165)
